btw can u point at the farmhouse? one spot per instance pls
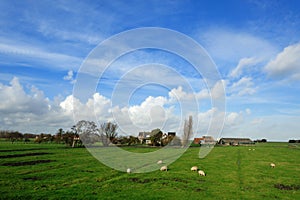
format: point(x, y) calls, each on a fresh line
point(208, 140)
point(144, 137)
point(235, 141)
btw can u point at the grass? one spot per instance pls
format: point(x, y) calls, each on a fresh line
point(232, 173)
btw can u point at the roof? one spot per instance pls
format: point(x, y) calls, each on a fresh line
point(197, 140)
point(236, 139)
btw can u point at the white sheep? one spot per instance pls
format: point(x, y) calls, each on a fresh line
point(164, 168)
point(201, 173)
point(159, 162)
point(272, 165)
point(128, 170)
point(194, 168)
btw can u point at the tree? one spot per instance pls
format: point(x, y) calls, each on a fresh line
point(87, 131)
point(133, 140)
point(68, 137)
point(59, 134)
point(171, 140)
point(155, 137)
point(175, 141)
point(187, 131)
point(108, 133)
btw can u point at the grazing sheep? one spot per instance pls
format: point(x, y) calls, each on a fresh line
point(272, 165)
point(194, 168)
point(201, 173)
point(164, 168)
point(128, 170)
point(159, 162)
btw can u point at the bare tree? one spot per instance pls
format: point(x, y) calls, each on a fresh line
point(187, 131)
point(108, 133)
point(87, 131)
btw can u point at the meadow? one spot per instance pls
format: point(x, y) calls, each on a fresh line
point(53, 171)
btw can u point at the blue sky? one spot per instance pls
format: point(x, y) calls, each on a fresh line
point(254, 44)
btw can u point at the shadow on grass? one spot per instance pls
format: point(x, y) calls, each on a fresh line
point(34, 162)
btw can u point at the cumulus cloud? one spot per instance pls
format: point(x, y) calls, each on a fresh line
point(152, 113)
point(29, 110)
point(95, 109)
point(286, 65)
point(214, 120)
point(216, 92)
point(15, 99)
point(179, 94)
point(70, 77)
point(32, 111)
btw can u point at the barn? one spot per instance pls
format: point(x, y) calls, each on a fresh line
point(235, 141)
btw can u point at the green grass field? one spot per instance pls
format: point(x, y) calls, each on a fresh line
point(232, 173)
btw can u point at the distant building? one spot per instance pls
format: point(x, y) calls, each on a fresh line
point(197, 140)
point(144, 137)
point(235, 141)
point(294, 141)
point(205, 140)
point(208, 140)
point(172, 134)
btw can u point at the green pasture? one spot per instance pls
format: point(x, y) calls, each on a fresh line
point(61, 172)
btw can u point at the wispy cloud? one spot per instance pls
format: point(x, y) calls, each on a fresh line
point(229, 45)
point(244, 86)
point(27, 52)
point(243, 63)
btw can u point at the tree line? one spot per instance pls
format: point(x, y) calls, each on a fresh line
point(87, 133)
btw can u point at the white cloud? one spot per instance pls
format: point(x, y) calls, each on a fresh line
point(244, 86)
point(286, 65)
point(31, 111)
point(214, 120)
point(231, 45)
point(28, 111)
point(69, 77)
point(243, 63)
point(216, 92)
point(66, 35)
point(233, 119)
point(256, 121)
point(179, 94)
point(25, 52)
point(95, 109)
point(14, 99)
point(248, 111)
